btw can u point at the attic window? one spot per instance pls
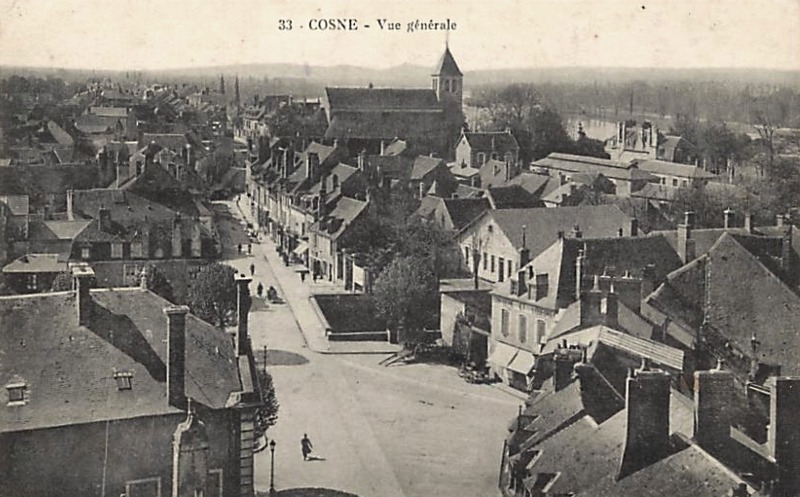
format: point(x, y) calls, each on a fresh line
point(16, 393)
point(123, 379)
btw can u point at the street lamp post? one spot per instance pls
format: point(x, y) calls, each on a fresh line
point(272, 468)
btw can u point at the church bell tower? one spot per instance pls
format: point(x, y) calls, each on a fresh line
point(447, 79)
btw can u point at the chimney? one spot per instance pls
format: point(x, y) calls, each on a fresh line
point(143, 278)
point(421, 190)
point(83, 277)
point(780, 220)
point(563, 369)
point(783, 436)
point(713, 409)
point(524, 252)
point(177, 239)
point(786, 253)
point(285, 169)
point(196, 242)
point(634, 227)
point(647, 408)
point(748, 222)
point(383, 147)
point(312, 166)
point(362, 161)
point(611, 314)
point(323, 192)
point(70, 212)
point(728, 217)
point(242, 309)
point(576, 232)
point(105, 219)
point(590, 305)
point(686, 245)
point(580, 265)
point(176, 354)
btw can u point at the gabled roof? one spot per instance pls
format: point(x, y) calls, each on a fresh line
point(511, 197)
point(57, 230)
point(173, 141)
point(380, 99)
point(424, 165)
point(463, 170)
point(37, 263)
point(447, 65)
point(543, 224)
point(462, 211)
point(340, 218)
point(499, 141)
point(537, 184)
point(582, 164)
point(396, 147)
point(69, 369)
point(61, 136)
point(673, 169)
point(18, 205)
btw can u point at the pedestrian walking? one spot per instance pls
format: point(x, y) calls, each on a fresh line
point(240, 248)
point(252, 269)
point(260, 289)
point(306, 447)
point(302, 276)
point(249, 248)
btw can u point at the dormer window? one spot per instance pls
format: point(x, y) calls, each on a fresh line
point(123, 379)
point(17, 393)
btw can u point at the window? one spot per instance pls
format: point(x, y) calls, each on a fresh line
point(485, 261)
point(16, 393)
point(510, 268)
point(131, 274)
point(215, 483)
point(523, 328)
point(501, 266)
point(494, 157)
point(674, 181)
point(492, 265)
point(504, 322)
point(466, 256)
point(32, 282)
point(116, 250)
point(509, 157)
point(136, 249)
point(85, 253)
point(481, 158)
point(123, 379)
point(540, 331)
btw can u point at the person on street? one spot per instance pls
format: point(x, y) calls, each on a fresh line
point(249, 248)
point(260, 289)
point(240, 248)
point(305, 445)
point(252, 269)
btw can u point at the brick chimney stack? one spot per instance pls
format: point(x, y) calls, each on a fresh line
point(83, 277)
point(686, 245)
point(176, 355)
point(590, 305)
point(524, 252)
point(564, 369)
point(580, 267)
point(748, 223)
point(713, 409)
point(647, 431)
point(242, 342)
point(611, 314)
point(728, 218)
point(783, 437)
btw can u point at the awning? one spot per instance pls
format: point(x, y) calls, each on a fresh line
point(523, 363)
point(503, 354)
point(301, 247)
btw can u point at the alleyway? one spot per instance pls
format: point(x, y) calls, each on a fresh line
point(415, 430)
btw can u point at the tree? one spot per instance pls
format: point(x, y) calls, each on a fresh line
point(267, 414)
point(213, 295)
point(62, 282)
point(406, 296)
point(158, 283)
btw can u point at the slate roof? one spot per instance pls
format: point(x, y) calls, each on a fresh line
point(18, 205)
point(462, 211)
point(742, 298)
point(512, 197)
point(537, 184)
point(57, 230)
point(499, 141)
point(673, 169)
point(581, 164)
point(174, 141)
point(68, 369)
point(380, 99)
point(396, 147)
point(543, 225)
point(463, 170)
point(385, 125)
point(335, 223)
point(58, 133)
point(447, 65)
point(423, 165)
point(106, 111)
point(37, 263)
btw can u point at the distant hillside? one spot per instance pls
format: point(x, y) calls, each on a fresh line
point(409, 75)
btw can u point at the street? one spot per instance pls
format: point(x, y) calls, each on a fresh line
point(403, 430)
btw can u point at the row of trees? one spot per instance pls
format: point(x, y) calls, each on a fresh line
point(537, 126)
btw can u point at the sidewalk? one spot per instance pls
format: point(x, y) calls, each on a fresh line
point(297, 295)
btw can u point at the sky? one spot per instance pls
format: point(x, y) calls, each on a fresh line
point(163, 34)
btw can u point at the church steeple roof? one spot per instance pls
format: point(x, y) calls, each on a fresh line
point(447, 65)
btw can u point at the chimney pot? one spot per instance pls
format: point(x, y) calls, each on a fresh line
point(713, 404)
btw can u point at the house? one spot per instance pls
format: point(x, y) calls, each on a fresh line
point(646, 142)
point(534, 183)
point(562, 291)
point(465, 313)
point(369, 118)
point(329, 236)
point(496, 172)
point(34, 273)
point(498, 236)
point(638, 435)
point(474, 149)
point(675, 175)
point(452, 214)
point(138, 395)
point(626, 177)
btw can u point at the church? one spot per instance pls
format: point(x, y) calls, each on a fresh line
point(429, 120)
